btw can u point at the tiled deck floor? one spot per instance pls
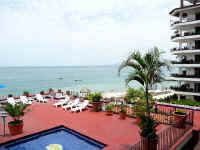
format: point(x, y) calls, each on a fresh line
point(117, 134)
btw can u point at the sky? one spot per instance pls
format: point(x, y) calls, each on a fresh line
point(81, 32)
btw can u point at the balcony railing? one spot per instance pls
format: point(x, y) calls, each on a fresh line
point(183, 89)
point(185, 62)
point(184, 48)
point(185, 76)
point(183, 21)
point(185, 34)
point(175, 36)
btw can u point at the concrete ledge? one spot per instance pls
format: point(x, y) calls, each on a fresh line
point(180, 106)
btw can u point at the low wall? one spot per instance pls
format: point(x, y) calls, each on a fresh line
point(179, 106)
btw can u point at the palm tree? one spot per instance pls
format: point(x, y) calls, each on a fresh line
point(146, 70)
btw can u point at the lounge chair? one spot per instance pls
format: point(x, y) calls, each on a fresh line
point(71, 104)
point(80, 106)
point(24, 100)
point(11, 100)
point(31, 99)
point(62, 102)
point(59, 96)
point(40, 98)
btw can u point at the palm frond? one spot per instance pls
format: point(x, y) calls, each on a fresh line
point(146, 69)
point(134, 61)
point(130, 64)
point(16, 111)
point(137, 57)
point(137, 76)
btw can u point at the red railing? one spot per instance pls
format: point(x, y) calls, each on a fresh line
point(162, 114)
point(168, 137)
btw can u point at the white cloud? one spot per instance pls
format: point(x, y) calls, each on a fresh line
point(90, 31)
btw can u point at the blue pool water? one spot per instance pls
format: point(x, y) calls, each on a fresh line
point(70, 140)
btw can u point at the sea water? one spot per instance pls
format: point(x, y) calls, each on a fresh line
point(35, 79)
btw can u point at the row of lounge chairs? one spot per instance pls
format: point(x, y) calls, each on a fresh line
point(56, 95)
point(40, 98)
point(23, 99)
point(74, 105)
point(66, 103)
point(26, 100)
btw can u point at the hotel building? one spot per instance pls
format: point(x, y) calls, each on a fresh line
point(185, 24)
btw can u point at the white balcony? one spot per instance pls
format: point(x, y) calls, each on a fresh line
point(176, 12)
point(187, 93)
point(186, 38)
point(186, 25)
point(186, 65)
point(182, 52)
point(183, 79)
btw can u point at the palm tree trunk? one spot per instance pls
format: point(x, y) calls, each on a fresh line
point(147, 101)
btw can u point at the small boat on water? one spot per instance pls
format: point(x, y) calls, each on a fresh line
point(77, 80)
point(60, 78)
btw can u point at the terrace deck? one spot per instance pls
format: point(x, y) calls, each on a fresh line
point(117, 134)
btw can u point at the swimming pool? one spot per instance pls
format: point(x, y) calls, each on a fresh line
point(66, 138)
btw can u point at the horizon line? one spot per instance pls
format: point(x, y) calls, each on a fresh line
point(60, 66)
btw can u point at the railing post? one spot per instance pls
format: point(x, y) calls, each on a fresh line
point(192, 117)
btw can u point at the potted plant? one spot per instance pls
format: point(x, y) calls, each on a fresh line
point(95, 101)
point(109, 108)
point(16, 112)
point(68, 92)
point(26, 93)
point(122, 114)
point(148, 132)
point(50, 90)
point(10, 95)
point(41, 92)
point(179, 118)
point(59, 91)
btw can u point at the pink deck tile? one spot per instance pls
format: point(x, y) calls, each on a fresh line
point(110, 130)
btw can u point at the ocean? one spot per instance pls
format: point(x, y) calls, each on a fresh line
point(35, 79)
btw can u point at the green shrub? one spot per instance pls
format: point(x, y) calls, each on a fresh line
point(68, 92)
point(140, 107)
point(95, 97)
point(26, 93)
point(16, 111)
point(132, 94)
point(180, 111)
point(148, 127)
point(189, 102)
point(109, 107)
point(123, 108)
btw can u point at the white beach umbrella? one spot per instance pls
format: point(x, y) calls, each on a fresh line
point(113, 94)
point(85, 90)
